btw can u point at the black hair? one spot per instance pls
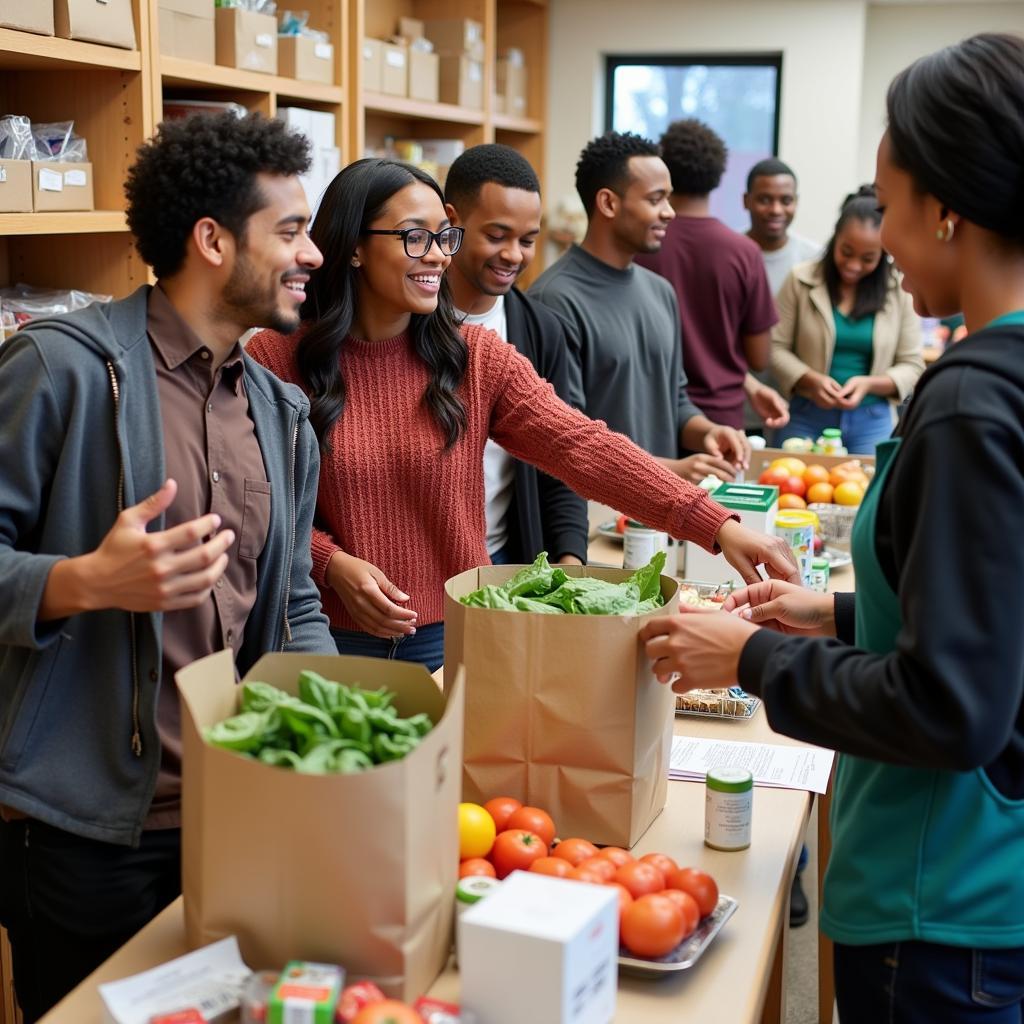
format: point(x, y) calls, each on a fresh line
point(604, 163)
point(482, 165)
point(772, 167)
point(695, 156)
point(204, 166)
point(861, 205)
point(352, 201)
point(956, 125)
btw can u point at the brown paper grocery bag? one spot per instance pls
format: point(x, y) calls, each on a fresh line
point(358, 870)
point(562, 711)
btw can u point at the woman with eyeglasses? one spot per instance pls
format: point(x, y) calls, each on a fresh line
point(403, 400)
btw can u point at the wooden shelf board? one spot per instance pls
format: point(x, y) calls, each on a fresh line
point(25, 50)
point(403, 107)
point(176, 71)
point(511, 123)
point(72, 223)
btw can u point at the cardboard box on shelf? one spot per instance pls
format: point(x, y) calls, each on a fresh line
point(456, 36)
point(511, 82)
point(246, 40)
point(395, 69)
point(497, 103)
point(551, 937)
point(15, 186)
point(60, 186)
point(109, 23)
point(322, 129)
point(554, 731)
point(373, 65)
point(187, 30)
point(27, 16)
point(461, 81)
point(379, 898)
point(424, 75)
point(305, 59)
point(411, 28)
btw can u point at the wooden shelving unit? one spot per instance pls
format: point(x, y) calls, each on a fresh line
point(116, 100)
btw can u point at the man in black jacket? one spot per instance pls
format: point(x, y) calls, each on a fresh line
point(493, 193)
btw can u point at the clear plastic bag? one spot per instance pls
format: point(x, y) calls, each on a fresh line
point(293, 23)
point(16, 141)
point(256, 6)
point(57, 141)
point(22, 302)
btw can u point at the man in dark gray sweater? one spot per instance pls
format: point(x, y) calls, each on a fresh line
point(626, 318)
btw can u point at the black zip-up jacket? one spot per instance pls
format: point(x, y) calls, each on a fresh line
point(950, 543)
point(545, 514)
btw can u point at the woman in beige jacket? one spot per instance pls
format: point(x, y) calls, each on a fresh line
point(847, 347)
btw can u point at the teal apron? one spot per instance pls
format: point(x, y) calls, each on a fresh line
point(917, 853)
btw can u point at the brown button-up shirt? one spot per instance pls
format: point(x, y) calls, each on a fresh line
point(212, 452)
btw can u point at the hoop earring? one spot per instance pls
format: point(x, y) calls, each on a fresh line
point(355, 263)
point(945, 233)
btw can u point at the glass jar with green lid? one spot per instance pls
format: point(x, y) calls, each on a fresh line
point(728, 808)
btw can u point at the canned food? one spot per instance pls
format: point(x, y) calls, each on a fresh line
point(640, 544)
point(728, 808)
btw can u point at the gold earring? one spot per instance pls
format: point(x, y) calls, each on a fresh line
point(945, 233)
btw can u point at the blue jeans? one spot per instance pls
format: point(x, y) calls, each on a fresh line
point(425, 646)
point(925, 983)
point(863, 427)
point(502, 557)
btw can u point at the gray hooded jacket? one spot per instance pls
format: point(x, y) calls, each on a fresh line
point(80, 439)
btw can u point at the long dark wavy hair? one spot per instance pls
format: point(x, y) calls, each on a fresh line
point(873, 288)
point(352, 202)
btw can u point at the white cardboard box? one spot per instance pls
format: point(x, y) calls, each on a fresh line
point(550, 938)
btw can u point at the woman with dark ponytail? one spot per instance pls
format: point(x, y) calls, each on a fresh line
point(918, 678)
point(847, 348)
point(403, 399)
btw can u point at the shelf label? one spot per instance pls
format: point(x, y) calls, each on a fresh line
point(395, 58)
point(78, 178)
point(325, 51)
point(3, 174)
point(50, 181)
point(265, 40)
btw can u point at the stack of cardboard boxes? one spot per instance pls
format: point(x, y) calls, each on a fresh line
point(187, 29)
point(38, 173)
point(459, 43)
point(404, 65)
point(109, 23)
point(510, 92)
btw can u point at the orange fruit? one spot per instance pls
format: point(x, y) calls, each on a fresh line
point(815, 475)
point(793, 501)
point(820, 492)
point(848, 493)
point(795, 466)
point(842, 474)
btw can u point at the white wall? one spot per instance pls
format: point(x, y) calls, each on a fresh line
point(897, 34)
point(838, 58)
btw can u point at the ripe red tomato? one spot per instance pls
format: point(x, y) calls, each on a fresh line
point(699, 884)
point(776, 476)
point(602, 865)
point(652, 926)
point(640, 879)
point(515, 850)
point(554, 866)
point(476, 866)
point(616, 855)
point(688, 905)
point(665, 864)
point(587, 872)
point(534, 820)
point(793, 485)
point(575, 851)
point(625, 899)
point(388, 1011)
point(500, 809)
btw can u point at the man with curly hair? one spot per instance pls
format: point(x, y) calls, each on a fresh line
point(156, 506)
point(626, 319)
point(725, 303)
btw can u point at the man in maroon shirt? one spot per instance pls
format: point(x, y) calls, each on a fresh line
point(725, 303)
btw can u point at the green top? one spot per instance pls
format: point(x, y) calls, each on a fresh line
point(854, 349)
point(1014, 319)
point(729, 780)
point(746, 497)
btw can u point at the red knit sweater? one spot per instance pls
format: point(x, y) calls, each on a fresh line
point(390, 493)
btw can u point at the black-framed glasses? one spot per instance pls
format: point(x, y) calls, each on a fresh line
point(417, 241)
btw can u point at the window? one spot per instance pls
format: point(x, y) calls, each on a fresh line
point(738, 96)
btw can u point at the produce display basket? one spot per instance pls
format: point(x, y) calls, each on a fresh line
point(835, 523)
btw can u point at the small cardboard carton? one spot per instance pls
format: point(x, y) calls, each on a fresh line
point(246, 40)
point(27, 16)
point(511, 83)
point(395, 69)
point(411, 29)
point(562, 711)
point(456, 36)
point(461, 81)
point(373, 65)
point(424, 75)
point(357, 869)
point(305, 59)
point(15, 186)
point(108, 22)
point(60, 186)
point(556, 939)
point(187, 30)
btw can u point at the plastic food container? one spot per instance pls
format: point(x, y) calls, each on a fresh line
point(796, 527)
point(728, 808)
